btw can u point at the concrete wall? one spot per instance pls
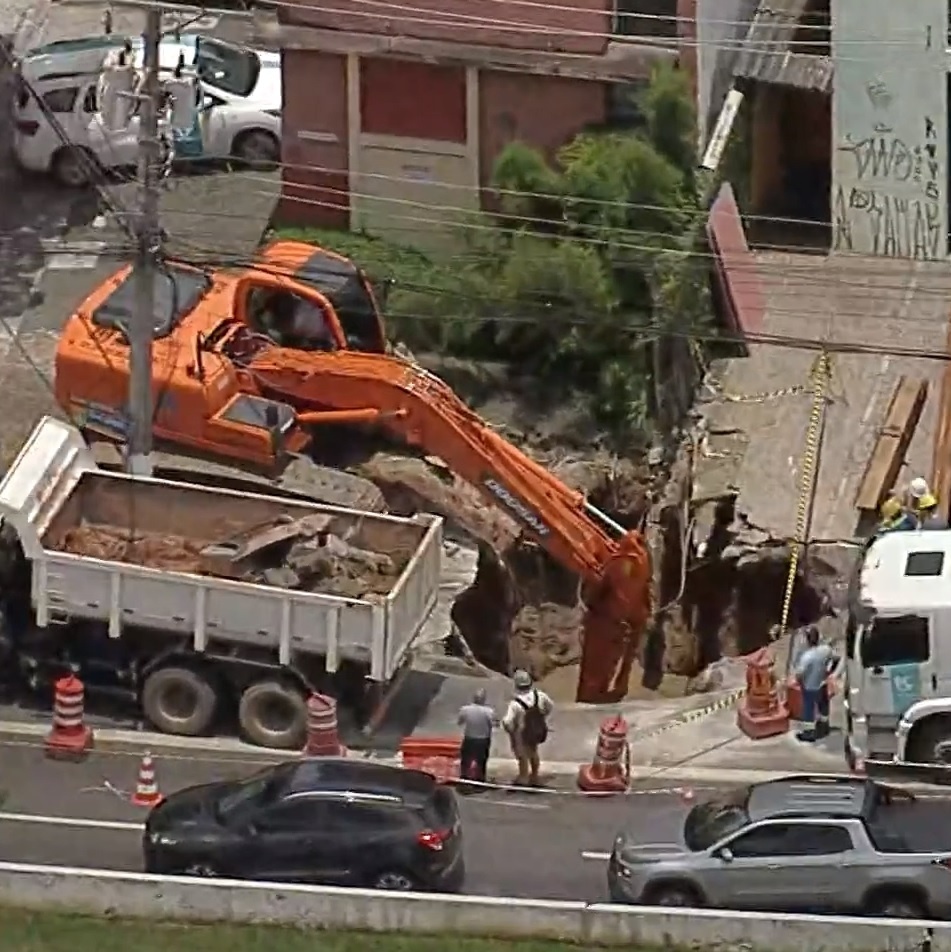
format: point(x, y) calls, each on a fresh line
point(133, 895)
point(721, 26)
point(889, 128)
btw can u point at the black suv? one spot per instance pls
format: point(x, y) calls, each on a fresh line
point(331, 821)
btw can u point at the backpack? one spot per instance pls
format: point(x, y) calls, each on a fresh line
point(534, 727)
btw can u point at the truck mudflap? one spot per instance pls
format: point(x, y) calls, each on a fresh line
point(902, 771)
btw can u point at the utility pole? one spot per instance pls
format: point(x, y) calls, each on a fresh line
point(147, 261)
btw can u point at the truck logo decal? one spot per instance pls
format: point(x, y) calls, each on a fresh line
point(905, 682)
point(95, 416)
point(516, 506)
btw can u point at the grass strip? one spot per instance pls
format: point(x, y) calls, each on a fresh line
point(25, 931)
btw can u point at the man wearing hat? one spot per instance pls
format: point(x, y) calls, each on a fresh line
point(895, 517)
point(526, 723)
point(928, 515)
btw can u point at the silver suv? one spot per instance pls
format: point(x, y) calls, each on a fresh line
point(800, 844)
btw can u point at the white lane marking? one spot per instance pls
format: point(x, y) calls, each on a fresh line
point(80, 822)
point(586, 854)
point(510, 803)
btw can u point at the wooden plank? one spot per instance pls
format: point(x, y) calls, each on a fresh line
point(941, 457)
point(891, 445)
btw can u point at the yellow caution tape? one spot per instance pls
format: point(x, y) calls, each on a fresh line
point(821, 374)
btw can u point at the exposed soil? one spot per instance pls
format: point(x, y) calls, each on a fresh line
point(324, 564)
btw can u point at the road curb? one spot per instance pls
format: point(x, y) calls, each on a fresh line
point(132, 742)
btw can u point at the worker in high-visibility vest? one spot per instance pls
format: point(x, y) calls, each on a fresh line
point(929, 517)
point(895, 517)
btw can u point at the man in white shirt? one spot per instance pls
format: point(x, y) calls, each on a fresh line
point(526, 723)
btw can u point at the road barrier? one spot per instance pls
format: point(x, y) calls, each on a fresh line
point(184, 899)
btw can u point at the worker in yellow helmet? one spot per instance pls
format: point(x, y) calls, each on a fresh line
point(895, 517)
point(928, 515)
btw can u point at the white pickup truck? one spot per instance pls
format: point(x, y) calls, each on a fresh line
point(195, 646)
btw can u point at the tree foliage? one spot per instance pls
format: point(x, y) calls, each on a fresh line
point(578, 269)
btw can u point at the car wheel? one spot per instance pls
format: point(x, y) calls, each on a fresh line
point(274, 714)
point(180, 701)
point(72, 167)
point(204, 870)
point(673, 895)
point(899, 907)
point(394, 880)
point(257, 148)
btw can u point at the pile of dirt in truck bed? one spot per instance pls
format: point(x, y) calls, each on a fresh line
point(322, 562)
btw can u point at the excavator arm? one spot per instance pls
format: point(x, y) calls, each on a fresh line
point(417, 408)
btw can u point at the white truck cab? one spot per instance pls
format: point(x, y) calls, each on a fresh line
point(898, 652)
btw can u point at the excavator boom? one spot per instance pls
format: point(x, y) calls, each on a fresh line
point(419, 409)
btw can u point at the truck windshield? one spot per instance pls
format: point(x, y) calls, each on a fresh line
point(707, 823)
point(901, 639)
point(232, 69)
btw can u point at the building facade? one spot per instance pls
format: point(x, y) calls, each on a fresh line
point(393, 118)
point(890, 128)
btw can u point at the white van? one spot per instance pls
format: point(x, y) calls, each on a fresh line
point(898, 652)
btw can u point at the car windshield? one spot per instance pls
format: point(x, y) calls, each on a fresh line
point(229, 68)
point(249, 794)
point(708, 823)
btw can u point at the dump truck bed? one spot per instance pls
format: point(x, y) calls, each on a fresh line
point(150, 553)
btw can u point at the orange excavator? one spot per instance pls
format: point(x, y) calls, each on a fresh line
point(224, 389)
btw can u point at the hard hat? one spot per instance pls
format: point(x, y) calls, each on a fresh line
point(890, 508)
point(522, 680)
point(918, 487)
point(927, 501)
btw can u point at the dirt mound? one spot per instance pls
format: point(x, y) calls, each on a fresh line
point(523, 609)
point(411, 484)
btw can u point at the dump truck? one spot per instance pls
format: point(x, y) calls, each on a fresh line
point(202, 605)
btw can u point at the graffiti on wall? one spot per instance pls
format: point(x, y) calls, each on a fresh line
point(887, 200)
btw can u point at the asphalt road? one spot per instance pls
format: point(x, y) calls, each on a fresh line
point(525, 845)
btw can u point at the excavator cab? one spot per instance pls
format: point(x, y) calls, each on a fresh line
point(203, 403)
point(346, 295)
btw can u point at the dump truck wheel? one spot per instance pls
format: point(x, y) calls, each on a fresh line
point(274, 714)
point(180, 701)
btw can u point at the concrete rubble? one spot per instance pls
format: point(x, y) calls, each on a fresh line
point(293, 554)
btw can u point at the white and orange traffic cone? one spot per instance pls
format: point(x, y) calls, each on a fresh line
point(146, 787)
point(687, 794)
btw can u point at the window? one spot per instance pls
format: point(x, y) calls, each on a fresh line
point(924, 564)
point(231, 68)
point(294, 816)
point(900, 640)
point(61, 100)
point(792, 839)
point(708, 823)
point(645, 18)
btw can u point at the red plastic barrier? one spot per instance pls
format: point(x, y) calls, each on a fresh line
point(438, 756)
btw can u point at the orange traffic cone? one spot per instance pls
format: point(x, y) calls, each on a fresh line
point(146, 788)
point(686, 794)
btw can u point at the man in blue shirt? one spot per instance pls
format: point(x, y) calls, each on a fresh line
point(813, 668)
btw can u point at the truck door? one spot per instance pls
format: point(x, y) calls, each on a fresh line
point(896, 665)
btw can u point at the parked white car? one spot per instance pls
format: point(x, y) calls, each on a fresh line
point(239, 113)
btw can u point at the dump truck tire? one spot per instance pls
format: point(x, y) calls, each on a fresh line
point(180, 701)
point(274, 714)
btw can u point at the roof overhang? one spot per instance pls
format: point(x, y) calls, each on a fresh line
point(621, 62)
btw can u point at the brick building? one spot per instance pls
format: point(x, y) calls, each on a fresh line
point(391, 108)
